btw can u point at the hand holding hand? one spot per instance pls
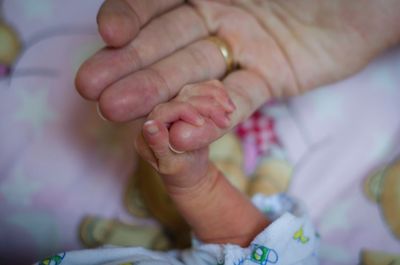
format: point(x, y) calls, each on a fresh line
point(283, 48)
point(198, 189)
point(206, 106)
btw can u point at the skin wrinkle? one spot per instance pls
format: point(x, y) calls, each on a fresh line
point(216, 23)
point(196, 55)
point(324, 48)
point(176, 25)
point(211, 190)
point(146, 19)
point(133, 56)
point(325, 31)
point(200, 19)
point(124, 103)
point(164, 87)
point(246, 102)
point(133, 9)
point(297, 88)
point(201, 59)
point(321, 50)
point(267, 92)
point(244, 95)
point(195, 6)
point(207, 182)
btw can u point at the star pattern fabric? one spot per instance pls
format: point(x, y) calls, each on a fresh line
point(17, 188)
point(34, 109)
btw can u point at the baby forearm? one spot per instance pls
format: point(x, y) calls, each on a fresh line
point(217, 212)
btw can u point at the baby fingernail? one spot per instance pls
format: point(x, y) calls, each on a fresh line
point(151, 127)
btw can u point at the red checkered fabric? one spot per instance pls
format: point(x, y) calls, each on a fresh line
point(259, 130)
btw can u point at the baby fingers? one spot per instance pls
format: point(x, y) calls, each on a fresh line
point(208, 107)
point(213, 88)
point(175, 111)
point(156, 136)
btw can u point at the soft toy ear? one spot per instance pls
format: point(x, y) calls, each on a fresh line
point(382, 187)
point(95, 232)
point(389, 199)
point(271, 176)
point(378, 258)
point(373, 185)
point(10, 46)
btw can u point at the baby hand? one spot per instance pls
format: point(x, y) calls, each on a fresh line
point(209, 106)
point(212, 101)
point(179, 171)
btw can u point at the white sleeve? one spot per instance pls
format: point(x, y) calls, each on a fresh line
point(290, 239)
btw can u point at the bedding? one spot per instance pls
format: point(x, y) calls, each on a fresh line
point(60, 162)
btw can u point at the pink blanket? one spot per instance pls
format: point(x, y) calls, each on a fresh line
point(59, 161)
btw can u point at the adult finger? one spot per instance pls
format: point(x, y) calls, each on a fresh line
point(119, 21)
point(160, 38)
point(136, 95)
point(247, 90)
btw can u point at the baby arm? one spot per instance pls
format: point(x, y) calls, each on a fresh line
point(216, 211)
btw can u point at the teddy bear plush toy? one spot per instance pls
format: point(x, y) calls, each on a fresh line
point(383, 188)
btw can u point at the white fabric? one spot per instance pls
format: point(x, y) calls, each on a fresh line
point(290, 239)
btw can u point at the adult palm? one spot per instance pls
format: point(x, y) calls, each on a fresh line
point(283, 48)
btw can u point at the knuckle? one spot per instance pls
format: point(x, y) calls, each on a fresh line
point(132, 56)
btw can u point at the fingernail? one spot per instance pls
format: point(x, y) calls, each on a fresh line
point(151, 127)
point(99, 112)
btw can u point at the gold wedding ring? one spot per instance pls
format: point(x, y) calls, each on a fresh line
point(225, 50)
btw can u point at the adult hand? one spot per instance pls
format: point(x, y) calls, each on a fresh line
point(284, 48)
